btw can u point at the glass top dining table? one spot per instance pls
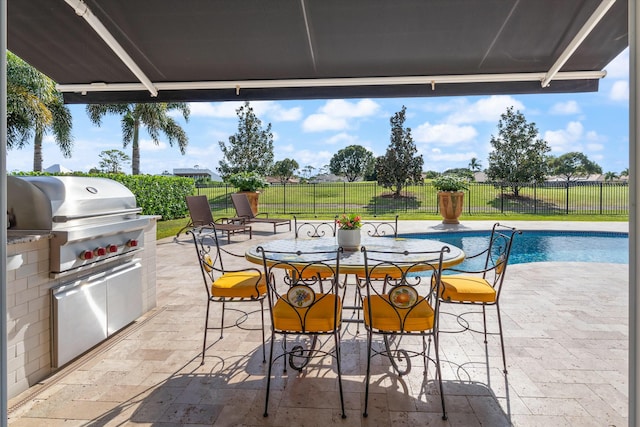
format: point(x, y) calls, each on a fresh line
point(352, 262)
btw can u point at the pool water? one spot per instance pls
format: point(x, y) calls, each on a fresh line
point(538, 246)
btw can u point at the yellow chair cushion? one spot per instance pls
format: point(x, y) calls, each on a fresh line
point(463, 288)
point(386, 317)
point(319, 317)
point(241, 284)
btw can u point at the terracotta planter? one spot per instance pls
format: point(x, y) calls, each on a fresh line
point(450, 204)
point(349, 239)
point(253, 200)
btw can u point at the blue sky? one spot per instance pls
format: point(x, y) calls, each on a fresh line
point(448, 131)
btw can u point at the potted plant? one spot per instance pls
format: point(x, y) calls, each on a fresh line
point(249, 183)
point(349, 231)
point(450, 197)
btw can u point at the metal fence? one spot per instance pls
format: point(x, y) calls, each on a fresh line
point(591, 198)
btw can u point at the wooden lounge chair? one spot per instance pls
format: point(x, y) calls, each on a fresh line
point(244, 211)
point(201, 216)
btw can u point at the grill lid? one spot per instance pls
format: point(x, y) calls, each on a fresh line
point(59, 202)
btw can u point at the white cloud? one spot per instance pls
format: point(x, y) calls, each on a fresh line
point(343, 138)
point(342, 108)
point(619, 91)
point(595, 147)
point(265, 110)
point(437, 156)
point(149, 145)
point(222, 110)
point(334, 115)
point(444, 133)
point(484, 110)
point(563, 108)
point(323, 122)
point(317, 159)
point(573, 138)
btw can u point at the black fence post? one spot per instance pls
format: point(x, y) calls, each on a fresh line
point(344, 197)
point(601, 194)
point(501, 198)
point(375, 199)
point(314, 198)
point(567, 202)
point(284, 197)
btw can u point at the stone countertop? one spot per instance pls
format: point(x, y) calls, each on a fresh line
point(15, 237)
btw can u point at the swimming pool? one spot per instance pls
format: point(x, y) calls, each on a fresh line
point(538, 246)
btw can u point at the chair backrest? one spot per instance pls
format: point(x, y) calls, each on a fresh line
point(411, 280)
point(242, 206)
point(304, 290)
point(208, 254)
point(381, 228)
point(498, 253)
point(314, 229)
point(199, 210)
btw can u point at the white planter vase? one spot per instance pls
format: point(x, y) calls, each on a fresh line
point(349, 239)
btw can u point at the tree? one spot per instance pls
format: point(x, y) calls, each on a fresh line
point(610, 176)
point(518, 155)
point(111, 161)
point(250, 149)
point(35, 107)
point(153, 116)
point(400, 165)
point(285, 169)
point(475, 165)
point(351, 162)
point(572, 166)
point(308, 171)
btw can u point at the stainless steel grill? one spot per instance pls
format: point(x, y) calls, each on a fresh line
point(95, 233)
point(93, 221)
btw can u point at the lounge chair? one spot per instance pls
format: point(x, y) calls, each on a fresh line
point(244, 211)
point(201, 216)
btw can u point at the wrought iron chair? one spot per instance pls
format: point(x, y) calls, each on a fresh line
point(224, 285)
point(373, 229)
point(402, 305)
point(300, 305)
point(314, 229)
point(381, 228)
point(482, 286)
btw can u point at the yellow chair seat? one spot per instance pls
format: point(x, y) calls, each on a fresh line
point(464, 288)
point(386, 317)
point(319, 317)
point(241, 284)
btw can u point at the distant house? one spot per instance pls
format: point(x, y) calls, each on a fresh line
point(197, 173)
point(57, 168)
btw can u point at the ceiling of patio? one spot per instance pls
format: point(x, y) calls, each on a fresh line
point(216, 50)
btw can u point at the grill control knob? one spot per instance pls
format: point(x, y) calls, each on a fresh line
point(86, 255)
point(132, 243)
point(100, 251)
point(112, 249)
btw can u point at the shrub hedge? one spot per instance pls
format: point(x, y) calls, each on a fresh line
point(155, 194)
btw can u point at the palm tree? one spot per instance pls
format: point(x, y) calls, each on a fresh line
point(475, 165)
point(610, 176)
point(34, 105)
point(153, 116)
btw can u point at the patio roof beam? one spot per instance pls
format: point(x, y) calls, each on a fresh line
point(238, 85)
point(83, 11)
point(586, 29)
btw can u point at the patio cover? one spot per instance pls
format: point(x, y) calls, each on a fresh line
point(218, 50)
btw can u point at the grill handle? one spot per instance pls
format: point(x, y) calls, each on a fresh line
point(67, 218)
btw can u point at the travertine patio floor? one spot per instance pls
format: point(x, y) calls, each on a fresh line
point(566, 328)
